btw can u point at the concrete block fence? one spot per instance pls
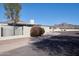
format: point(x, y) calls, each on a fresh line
point(9, 32)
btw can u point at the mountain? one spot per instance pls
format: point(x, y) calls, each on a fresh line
point(66, 26)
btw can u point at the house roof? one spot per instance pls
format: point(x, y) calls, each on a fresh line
point(21, 23)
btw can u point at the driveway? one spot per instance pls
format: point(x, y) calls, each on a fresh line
point(7, 45)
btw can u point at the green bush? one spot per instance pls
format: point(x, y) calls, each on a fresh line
point(36, 31)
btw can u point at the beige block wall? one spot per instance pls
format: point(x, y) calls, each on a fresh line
point(72, 29)
point(26, 31)
point(47, 29)
point(57, 29)
point(65, 29)
point(8, 30)
point(0, 31)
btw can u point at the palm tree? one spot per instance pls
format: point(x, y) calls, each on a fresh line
point(12, 12)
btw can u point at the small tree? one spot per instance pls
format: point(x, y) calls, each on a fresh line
point(12, 12)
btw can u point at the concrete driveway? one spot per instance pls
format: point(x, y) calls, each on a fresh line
point(7, 45)
point(19, 47)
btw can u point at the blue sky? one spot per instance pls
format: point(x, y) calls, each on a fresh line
point(47, 13)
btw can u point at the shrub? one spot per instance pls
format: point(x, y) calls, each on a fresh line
point(36, 31)
point(42, 31)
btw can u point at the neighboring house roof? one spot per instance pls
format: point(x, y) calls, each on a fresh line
point(66, 26)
